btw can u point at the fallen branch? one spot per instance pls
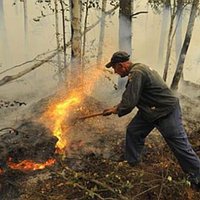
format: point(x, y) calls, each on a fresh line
point(145, 191)
point(7, 79)
point(80, 186)
point(104, 185)
point(24, 63)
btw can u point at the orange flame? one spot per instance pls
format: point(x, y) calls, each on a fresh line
point(1, 171)
point(27, 165)
point(59, 111)
point(55, 115)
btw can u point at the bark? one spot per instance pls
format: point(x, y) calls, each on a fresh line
point(26, 25)
point(84, 39)
point(76, 42)
point(125, 31)
point(64, 40)
point(125, 25)
point(58, 41)
point(163, 32)
point(186, 43)
point(169, 42)
point(3, 35)
point(179, 27)
point(102, 33)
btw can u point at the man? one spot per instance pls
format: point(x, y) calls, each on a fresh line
point(157, 107)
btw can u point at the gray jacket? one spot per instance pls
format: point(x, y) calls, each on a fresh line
point(147, 91)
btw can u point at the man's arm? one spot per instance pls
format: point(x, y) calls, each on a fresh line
point(132, 94)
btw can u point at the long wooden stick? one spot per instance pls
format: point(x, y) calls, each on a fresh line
point(89, 116)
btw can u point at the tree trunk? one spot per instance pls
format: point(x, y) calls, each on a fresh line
point(102, 32)
point(163, 32)
point(125, 25)
point(64, 42)
point(169, 42)
point(84, 40)
point(76, 42)
point(26, 28)
point(58, 42)
point(125, 31)
point(179, 27)
point(186, 43)
point(3, 36)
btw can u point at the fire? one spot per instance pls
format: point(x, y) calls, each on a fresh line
point(27, 165)
point(1, 171)
point(60, 112)
point(56, 114)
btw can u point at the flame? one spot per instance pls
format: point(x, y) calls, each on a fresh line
point(58, 111)
point(56, 114)
point(27, 165)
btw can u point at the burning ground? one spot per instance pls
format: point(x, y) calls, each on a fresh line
point(87, 160)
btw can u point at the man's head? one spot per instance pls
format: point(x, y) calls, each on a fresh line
point(120, 63)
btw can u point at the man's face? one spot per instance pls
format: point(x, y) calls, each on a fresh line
point(120, 69)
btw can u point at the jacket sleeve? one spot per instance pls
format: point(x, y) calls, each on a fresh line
point(132, 94)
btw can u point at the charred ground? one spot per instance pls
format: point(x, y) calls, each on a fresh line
point(94, 168)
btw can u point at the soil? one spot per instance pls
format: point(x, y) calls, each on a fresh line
point(94, 168)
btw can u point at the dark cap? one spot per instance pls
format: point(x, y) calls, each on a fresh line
point(119, 56)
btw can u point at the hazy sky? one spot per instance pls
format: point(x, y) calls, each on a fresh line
point(41, 37)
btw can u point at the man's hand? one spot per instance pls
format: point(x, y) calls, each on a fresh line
point(110, 111)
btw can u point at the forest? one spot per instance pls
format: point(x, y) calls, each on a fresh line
point(55, 142)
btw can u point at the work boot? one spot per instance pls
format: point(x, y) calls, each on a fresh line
point(195, 182)
point(133, 164)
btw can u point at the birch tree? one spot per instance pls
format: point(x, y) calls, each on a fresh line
point(163, 31)
point(26, 23)
point(76, 41)
point(186, 43)
point(102, 32)
point(169, 40)
point(3, 34)
point(58, 41)
point(179, 22)
point(125, 25)
point(125, 31)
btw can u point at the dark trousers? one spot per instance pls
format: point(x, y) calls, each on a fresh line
point(172, 130)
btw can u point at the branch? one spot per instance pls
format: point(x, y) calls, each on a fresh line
point(111, 10)
point(7, 79)
point(138, 13)
point(98, 21)
point(145, 191)
point(104, 185)
point(24, 63)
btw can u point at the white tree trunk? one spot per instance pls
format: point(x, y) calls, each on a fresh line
point(3, 35)
point(76, 41)
point(58, 41)
point(163, 33)
point(179, 23)
point(125, 31)
point(186, 43)
point(102, 33)
point(26, 27)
